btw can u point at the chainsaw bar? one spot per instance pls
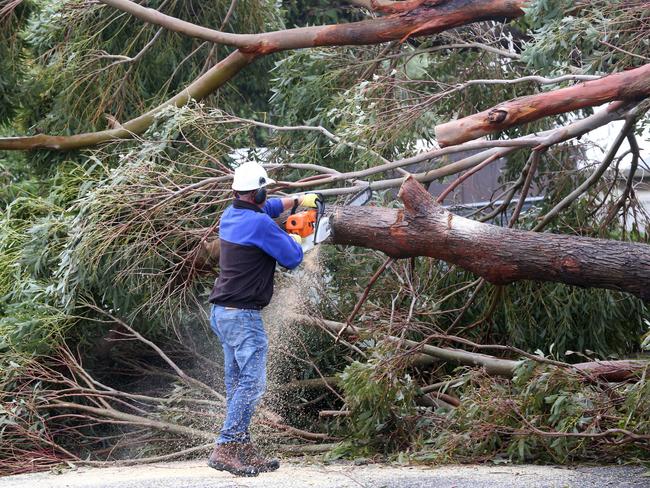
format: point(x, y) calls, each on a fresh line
point(324, 227)
point(359, 199)
point(323, 230)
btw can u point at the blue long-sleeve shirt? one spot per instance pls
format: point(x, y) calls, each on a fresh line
point(251, 244)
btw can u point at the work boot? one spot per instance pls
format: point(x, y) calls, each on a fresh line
point(229, 457)
point(250, 455)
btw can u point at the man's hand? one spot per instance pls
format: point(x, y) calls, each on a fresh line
point(296, 238)
point(309, 200)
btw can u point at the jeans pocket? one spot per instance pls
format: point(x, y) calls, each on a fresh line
point(224, 322)
point(236, 328)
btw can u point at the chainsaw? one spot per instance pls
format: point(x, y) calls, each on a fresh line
point(311, 225)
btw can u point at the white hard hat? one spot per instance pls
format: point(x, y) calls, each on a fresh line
point(250, 176)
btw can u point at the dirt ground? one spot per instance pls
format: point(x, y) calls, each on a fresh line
point(196, 474)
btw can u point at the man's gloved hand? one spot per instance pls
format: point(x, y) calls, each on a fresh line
point(309, 200)
point(296, 238)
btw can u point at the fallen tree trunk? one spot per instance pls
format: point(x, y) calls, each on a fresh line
point(615, 371)
point(627, 85)
point(500, 255)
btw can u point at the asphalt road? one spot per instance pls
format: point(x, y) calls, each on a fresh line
point(295, 474)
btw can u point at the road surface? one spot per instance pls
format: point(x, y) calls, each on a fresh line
point(196, 474)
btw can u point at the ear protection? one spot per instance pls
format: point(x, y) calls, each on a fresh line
point(260, 193)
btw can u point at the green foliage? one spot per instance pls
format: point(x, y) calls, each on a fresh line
point(544, 414)
point(32, 323)
point(32, 237)
point(387, 98)
point(12, 57)
point(325, 87)
point(501, 420)
point(560, 318)
point(299, 13)
point(381, 405)
point(568, 37)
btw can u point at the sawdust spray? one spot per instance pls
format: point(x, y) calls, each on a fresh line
point(296, 292)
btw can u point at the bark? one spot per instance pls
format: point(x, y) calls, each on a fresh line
point(500, 255)
point(411, 18)
point(627, 85)
point(208, 257)
point(615, 371)
point(426, 17)
point(333, 413)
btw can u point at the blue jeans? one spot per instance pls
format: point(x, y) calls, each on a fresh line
point(245, 345)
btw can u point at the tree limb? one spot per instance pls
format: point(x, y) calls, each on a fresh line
point(627, 85)
point(197, 90)
point(411, 18)
point(425, 18)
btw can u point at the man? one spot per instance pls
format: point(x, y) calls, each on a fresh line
point(251, 244)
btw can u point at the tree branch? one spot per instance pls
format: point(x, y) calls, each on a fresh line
point(197, 90)
point(424, 19)
point(494, 366)
point(605, 370)
point(628, 85)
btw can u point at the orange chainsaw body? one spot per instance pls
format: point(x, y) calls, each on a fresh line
point(302, 223)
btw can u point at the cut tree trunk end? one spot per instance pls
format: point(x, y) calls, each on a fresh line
point(500, 255)
point(627, 85)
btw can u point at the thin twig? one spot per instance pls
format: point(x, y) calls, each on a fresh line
point(361, 300)
point(631, 436)
point(595, 176)
point(464, 176)
point(624, 51)
point(535, 157)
